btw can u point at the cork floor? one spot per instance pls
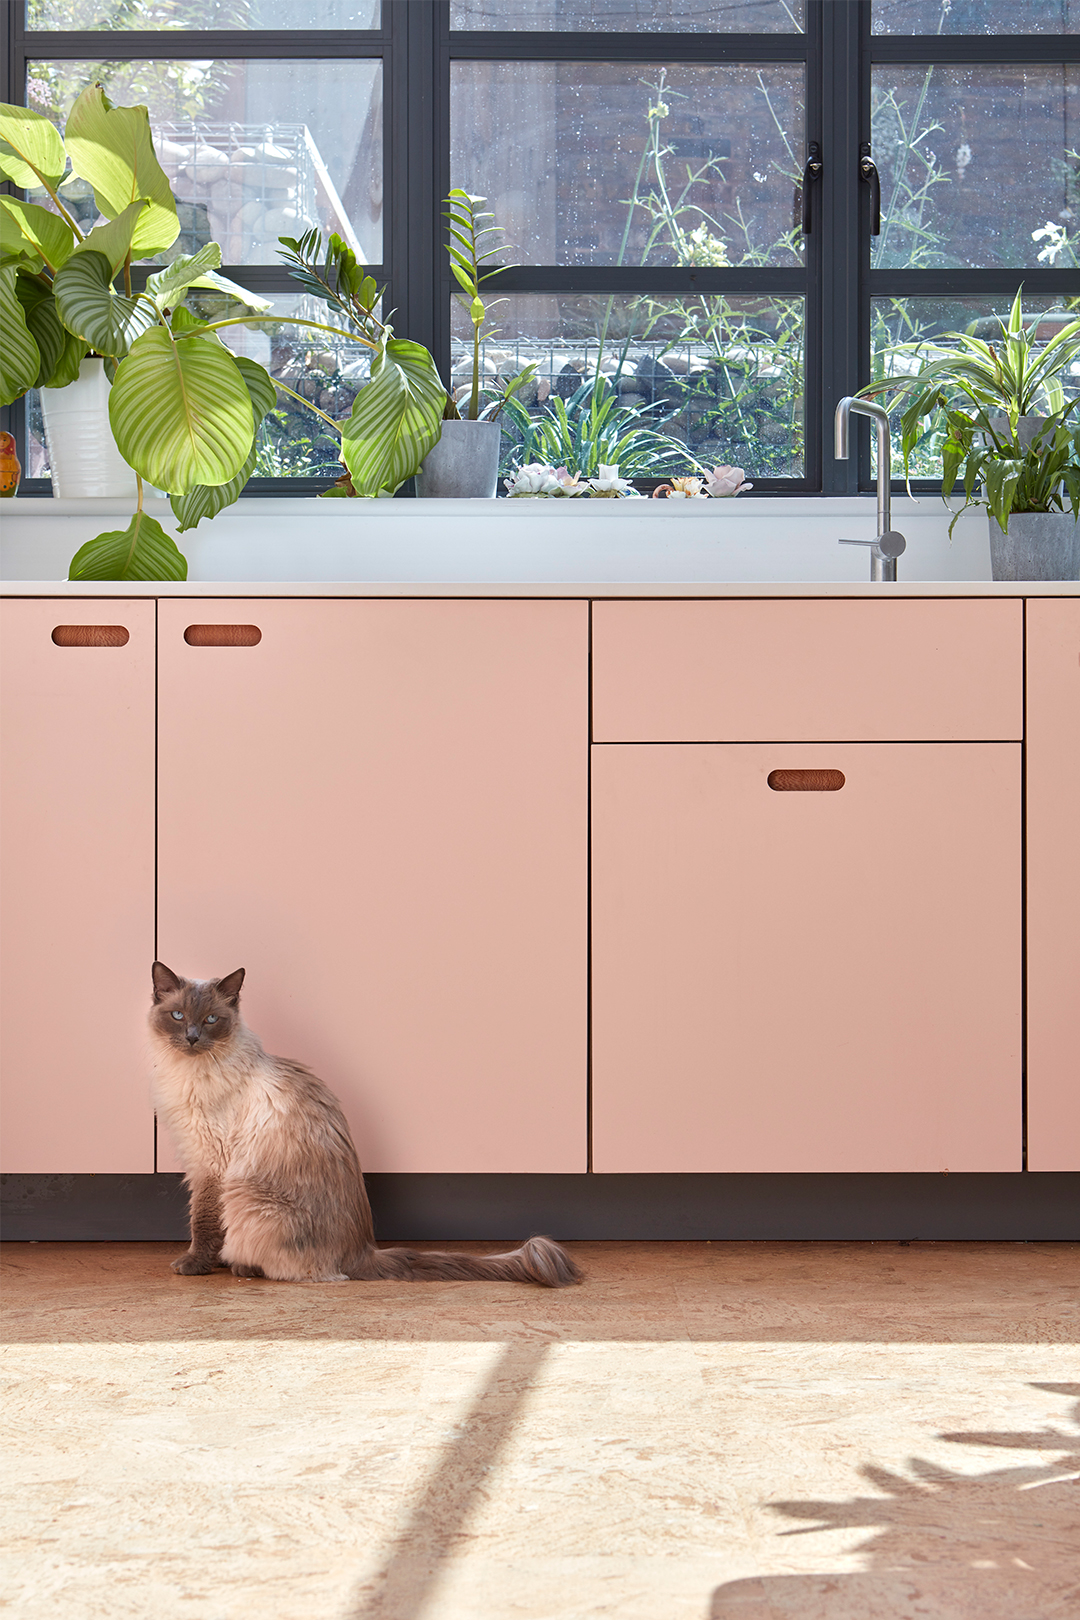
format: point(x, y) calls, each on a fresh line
point(729, 1431)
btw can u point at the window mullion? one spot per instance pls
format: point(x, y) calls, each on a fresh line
point(845, 113)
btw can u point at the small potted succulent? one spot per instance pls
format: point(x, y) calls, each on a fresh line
point(1011, 436)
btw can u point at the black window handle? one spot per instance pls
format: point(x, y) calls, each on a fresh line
point(868, 172)
point(812, 171)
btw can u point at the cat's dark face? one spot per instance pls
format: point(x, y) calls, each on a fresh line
point(195, 1016)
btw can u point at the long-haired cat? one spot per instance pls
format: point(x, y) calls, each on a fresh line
point(276, 1188)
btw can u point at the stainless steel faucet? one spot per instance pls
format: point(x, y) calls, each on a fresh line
point(889, 543)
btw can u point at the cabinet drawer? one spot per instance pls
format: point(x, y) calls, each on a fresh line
point(806, 981)
point(855, 671)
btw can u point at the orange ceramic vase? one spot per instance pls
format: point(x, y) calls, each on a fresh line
point(10, 470)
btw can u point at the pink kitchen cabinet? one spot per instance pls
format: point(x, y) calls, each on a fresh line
point(78, 883)
point(806, 980)
point(1053, 883)
point(379, 809)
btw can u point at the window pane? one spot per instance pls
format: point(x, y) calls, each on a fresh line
point(326, 370)
point(607, 163)
point(975, 17)
point(723, 377)
point(980, 166)
point(900, 327)
point(253, 149)
point(151, 15)
point(634, 16)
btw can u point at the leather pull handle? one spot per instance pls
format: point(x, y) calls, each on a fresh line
point(806, 781)
point(90, 635)
point(223, 635)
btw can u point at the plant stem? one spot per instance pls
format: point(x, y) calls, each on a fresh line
point(288, 320)
point(127, 273)
point(285, 389)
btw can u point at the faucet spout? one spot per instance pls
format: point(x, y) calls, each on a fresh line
point(883, 555)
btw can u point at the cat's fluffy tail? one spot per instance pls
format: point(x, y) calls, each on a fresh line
point(537, 1261)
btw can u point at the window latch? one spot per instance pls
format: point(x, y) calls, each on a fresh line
point(812, 171)
point(868, 172)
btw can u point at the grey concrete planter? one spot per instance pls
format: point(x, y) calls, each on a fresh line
point(1038, 545)
point(464, 463)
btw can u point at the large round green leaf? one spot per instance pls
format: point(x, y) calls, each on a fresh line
point(207, 500)
point(113, 149)
point(396, 418)
point(88, 306)
point(35, 230)
point(141, 551)
point(180, 412)
point(115, 239)
point(31, 151)
point(20, 360)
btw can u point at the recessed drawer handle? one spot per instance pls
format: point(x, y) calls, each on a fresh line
point(806, 781)
point(223, 635)
point(90, 635)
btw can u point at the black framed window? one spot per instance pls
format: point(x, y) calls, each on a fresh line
point(646, 159)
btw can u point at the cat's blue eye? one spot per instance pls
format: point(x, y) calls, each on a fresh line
point(211, 1018)
point(179, 1017)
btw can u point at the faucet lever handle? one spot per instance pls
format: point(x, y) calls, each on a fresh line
point(890, 544)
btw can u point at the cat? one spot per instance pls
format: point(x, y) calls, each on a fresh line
point(275, 1183)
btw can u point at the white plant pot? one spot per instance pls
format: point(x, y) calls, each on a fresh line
point(83, 457)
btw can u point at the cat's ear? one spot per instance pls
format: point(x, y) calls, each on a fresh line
point(165, 981)
point(230, 987)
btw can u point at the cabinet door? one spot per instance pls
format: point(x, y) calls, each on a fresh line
point(791, 980)
point(380, 812)
point(78, 884)
point(1053, 883)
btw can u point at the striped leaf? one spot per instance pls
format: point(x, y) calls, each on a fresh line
point(20, 360)
point(88, 306)
point(180, 412)
point(207, 500)
point(31, 151)
point(113, 149)
point(66, 368)
point(395, 420)
point(43, 323)
point(115, 239)
point(187, 268)
point(141, 551)
point(33, 230)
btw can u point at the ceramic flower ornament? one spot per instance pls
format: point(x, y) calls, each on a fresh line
point(680, 489)
point(726, 481)
point(532, 480)
point(609, 485)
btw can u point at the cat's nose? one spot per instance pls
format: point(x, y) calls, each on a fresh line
point(192, 1036)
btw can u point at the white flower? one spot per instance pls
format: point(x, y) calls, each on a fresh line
point(534, 480)
point(725, 481)
point(1057, 237)
point(609, 484)
point(963, 155)
point(570, 485)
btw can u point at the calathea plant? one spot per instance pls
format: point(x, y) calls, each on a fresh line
point(184, 410)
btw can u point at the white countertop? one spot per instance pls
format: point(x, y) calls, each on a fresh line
point(757, 546)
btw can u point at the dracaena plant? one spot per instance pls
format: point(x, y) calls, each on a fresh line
point(983, 392)
point(183, 409)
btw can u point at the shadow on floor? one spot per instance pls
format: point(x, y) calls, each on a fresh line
point(405, 1583)
point(949, 1545)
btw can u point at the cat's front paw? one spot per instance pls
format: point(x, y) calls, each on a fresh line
point(247, 1271)
point(192, 1265)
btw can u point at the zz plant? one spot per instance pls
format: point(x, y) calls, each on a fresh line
point(183, 409)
